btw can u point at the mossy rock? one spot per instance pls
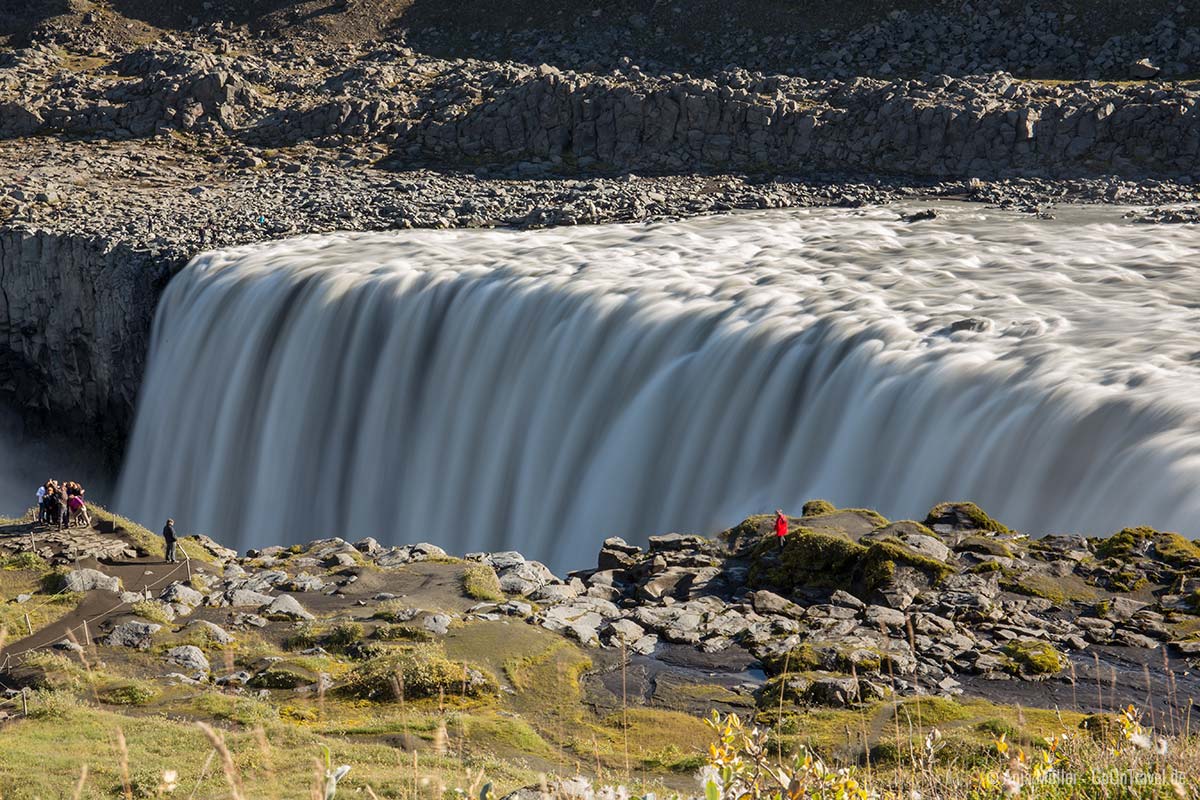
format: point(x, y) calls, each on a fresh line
point(808, 558)
point(414, 673)
point(1121, 545)
point(283, 675)
point(828, 560)
point(1034, 657)
point(815, 508)
point(986, 546)
point(1058, 589)
point(963, 516)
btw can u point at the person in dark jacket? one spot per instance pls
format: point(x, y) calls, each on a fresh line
point(169, 538)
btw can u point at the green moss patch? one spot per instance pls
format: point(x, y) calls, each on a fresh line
point(1057, 589)
point(1035, 657)
point(815, 508)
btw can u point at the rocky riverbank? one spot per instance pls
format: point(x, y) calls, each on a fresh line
point(853, 609)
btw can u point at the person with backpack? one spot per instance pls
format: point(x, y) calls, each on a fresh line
point(169, 537)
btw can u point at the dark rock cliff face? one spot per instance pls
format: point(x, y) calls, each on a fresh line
point(75, 316)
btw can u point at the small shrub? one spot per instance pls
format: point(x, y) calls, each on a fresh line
point(244, 710)
point(153, 610)
point(55, 671)
point(306, 635)
point(422, 671)
point(394, 611)
point(480, 583)
point(343, 634)
point(26, 561)
point(53, 704)
point(129, 694)
point(394, 632)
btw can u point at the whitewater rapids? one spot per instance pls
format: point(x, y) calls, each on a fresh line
point(542, 390)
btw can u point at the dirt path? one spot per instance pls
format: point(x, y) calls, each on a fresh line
point(137, 575)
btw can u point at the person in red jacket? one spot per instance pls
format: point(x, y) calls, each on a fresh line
point(781, 526)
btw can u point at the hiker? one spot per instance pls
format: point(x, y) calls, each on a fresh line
point(64, 514)
point(50, 505)
point(78, 509)
point(781, 526)
point(41, 496)
point(169, 538)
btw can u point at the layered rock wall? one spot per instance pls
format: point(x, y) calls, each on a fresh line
point(75, 317)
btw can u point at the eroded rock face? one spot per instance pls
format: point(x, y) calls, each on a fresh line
point(75, 326)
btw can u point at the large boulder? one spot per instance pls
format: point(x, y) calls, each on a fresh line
point(86, 580)
point(135, 633)
point(189, 657)
point(286, 607)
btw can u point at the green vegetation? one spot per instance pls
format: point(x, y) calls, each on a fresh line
point(395, 632)
point(1122, 543)
point(25, 561)
point(136, 693)
point(1035, 657)
point(479, 582)
point(153, 611)
point(811, 558)
point(815, 508)
point(417, 672)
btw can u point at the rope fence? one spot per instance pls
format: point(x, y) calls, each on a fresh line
point(9, 656)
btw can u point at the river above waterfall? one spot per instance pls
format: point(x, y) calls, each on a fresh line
point(542, 390)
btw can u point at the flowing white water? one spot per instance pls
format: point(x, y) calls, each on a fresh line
point(543, 390)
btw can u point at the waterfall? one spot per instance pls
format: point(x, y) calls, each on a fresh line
point(543, 390)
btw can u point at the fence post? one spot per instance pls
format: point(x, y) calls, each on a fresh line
point(24, 702)
point(87, 635)
point(28, 624)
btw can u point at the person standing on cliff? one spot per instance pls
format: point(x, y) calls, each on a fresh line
point(781, 526)
point(41, 496)
point(169, 538)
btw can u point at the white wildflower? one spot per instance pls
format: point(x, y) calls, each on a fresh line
point(1140, 740)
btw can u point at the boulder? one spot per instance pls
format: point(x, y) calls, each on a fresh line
point(437, 623)
point(1143, 69)
point(86, 580)
point(765, 602)
point(243, 598)
point(136, 634)
point(214, 633)
point(286, 607)
point(189, 657)
point(183, 595)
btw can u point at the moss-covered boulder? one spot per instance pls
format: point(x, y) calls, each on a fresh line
point(815, 508)
point(1034, 657)
point(963, 516)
